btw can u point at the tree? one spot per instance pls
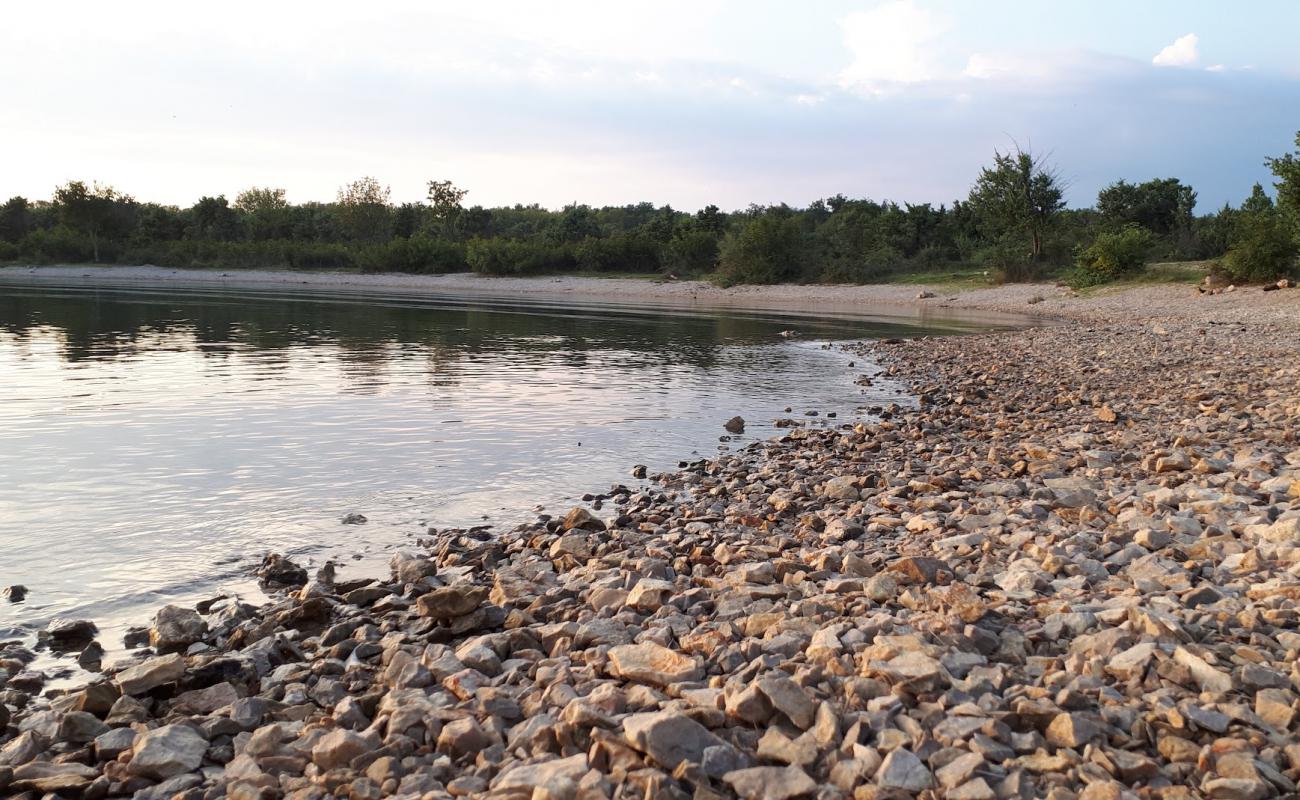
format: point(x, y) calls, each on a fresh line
point(213, 218)
point(257, 199)
point(363, 209)
point(1163, 206)
point(1286, 169)
point(1263, 248)
point(769, 249)
point(445, 197)
point(15, 219)
point(1018, 201)
point(95, 210)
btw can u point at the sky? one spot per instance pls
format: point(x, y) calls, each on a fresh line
point(729, 102)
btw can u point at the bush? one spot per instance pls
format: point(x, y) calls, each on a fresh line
point(59, 243)
point(1263, 249)
point(8, 251)
point(417, 255)
point(1112, 256)
point(619, 253)
point(770, 249)
point(206, 254)
point(692, 253)
point(876, 263)
point(512, 257)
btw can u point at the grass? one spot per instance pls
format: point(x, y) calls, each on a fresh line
point(1185, 272)
point(948, 279)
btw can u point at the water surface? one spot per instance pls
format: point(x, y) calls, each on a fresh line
point(154, 443)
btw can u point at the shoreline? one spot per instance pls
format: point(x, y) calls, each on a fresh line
point(1073, 566)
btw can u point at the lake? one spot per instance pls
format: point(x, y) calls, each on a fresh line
point(156, 442)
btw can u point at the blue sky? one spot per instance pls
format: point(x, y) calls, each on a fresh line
point(674, 102)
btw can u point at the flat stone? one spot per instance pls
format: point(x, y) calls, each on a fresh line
point(669, 737)
point(770, 783)
point(790, 699)
point(176, 628)
point(168, 751)
point(151, 674)
point(1072, 730)
point(1209, 678)
point(42, 776)
point(651, 663)
point(901, 769)
point(338, 747)
point(449, 602)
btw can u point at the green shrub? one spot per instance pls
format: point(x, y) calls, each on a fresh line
point(876, 263)
point(512, 257)
point(1263, 250)
point(207, 254)
point(1112, 256)
point(619, 253)
point(770, 249)
point(8, 251)
point(59, 243)
point(418, 255)
point(692, 252)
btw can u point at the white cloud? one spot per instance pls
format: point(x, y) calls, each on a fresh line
point(892, 43)
point(1182, 53)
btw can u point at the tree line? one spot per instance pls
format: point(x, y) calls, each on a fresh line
point(1013, 222)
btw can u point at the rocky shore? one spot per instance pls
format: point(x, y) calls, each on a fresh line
point(1070, 571)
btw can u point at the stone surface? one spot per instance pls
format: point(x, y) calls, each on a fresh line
point(167, 751)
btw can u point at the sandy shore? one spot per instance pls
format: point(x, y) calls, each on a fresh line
point(1032, 300)
point(1071, 573)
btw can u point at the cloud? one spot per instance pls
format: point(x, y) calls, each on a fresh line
point(892, 43)
point(1182, 53)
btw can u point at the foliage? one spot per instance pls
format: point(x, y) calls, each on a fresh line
point(15, 219)
point(1113, 255)
point(1264, 246)
point(1162, 206)
point(445, 198)
point(416, 255)
point(364, 210)
point(620, 253)
point(768, 249)
point(1017, 201)
point(95, 210)
point(512, 257)
point(1286, 169)
point(694, 251)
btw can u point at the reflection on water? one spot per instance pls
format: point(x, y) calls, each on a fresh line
point(153, 443)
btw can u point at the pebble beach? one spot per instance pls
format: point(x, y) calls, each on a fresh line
point(1064, 564)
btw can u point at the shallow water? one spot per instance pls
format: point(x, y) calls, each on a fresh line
point(154, 443)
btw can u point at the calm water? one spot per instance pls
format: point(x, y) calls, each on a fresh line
point(155, 443)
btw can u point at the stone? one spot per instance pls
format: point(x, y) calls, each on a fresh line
point(111, 744)
point(151, 674)
point(735, 425)
point(449, 602)
point(1209, 678)
point(580, 518)
point(338, 747)
point(354, 518)
point(44, 777)
point(790, 699)
point(844, 487)
point(70, 634)
point(1276, 707)
point(175, 628)
point(901, 769)
point(649, 594)
point(1072, 730)
point(168, 751)
point(959, 770)
point(531, 776)
point(770, 783)
point(16, 593)
point(80, 727)
point(652, 663)
point(278, 571)
point(669, 737)
point(462, 737)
